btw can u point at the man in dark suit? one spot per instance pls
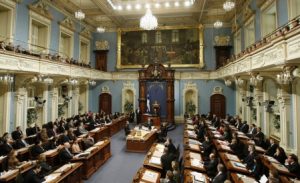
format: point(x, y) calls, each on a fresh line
point(65, 155)
point(249, 160)
point(17, 134)
point(166, 161)
point(37, 149)
point(259, 137)
point(138, 115)
point(171, 147)
point(5, 147)
point(32, 175)
point(272, 149)
point(127, 128)
point(211, 165)
point(292, 164)
point(20, 143)
point(252, 131)
point(245, 127)
point(221, 176)
point(206, 147)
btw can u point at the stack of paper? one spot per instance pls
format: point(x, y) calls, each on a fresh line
point(95, 130)
point(8, 173)
point(198, 177)
point(99, 143)
point(155, 160)
point(90, 149)
point(157, 154)
point(195, 156)
point(52, 177)
point(196, 163)
point(150, 176)
point(193, 146)
point(237, 164)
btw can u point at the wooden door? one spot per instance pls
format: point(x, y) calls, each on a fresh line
point(218, 105)
point(105, 103)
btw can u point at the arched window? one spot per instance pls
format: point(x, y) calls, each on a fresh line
point(175, 36)
point(144, 37)
point(158, 37)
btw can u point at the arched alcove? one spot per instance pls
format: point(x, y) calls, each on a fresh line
point(128, 97)
point(190, 98)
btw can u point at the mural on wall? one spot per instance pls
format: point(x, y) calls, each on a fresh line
point(180, 47)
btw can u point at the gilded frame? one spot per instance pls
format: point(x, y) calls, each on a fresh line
point(199, 65)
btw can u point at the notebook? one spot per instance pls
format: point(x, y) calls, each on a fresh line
point(155, 160)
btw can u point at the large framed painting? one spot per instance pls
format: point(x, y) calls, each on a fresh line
point(178, 46)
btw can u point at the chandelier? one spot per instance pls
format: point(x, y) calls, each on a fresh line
point(218, 24)
point(100, 29)
point(79, 15)
point(7, 79)
point(228, 5)
point(148, 21)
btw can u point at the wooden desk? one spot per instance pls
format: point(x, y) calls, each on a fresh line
point(155, 119)
point(52, 157)
point(240, 178)
point(116, 125)
point(140, 144)
point(98, 154)
point(232, 166)
point(188, 176)
point(10, 176)
point(192, 145)
point(229, 157)
point(222, 146)
point(155, 152)
point(100, 133)
point(193, 161)
point(66, 173)
point(147, 176)
point(272, 163)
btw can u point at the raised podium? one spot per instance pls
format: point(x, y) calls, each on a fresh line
point(154, 118)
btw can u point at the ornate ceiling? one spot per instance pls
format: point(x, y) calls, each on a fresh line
point(102, 12)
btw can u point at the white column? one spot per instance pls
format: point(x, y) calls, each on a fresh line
point(6, 108)
point(45, 107)
point(75, 100)
point(54, 103)
point(284, 100)
point(70, 104)
point(21, 108)
point(258, 97)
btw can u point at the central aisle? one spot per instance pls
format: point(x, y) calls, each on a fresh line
point(122, 166)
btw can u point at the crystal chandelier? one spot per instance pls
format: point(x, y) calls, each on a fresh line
point(218, 24)
point(228, 5)
point(100, 29)
point(79, 15)
point(148, 21)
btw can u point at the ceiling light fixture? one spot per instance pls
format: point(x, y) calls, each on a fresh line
point(100, 29)
point(128, 7)
point(147, 5)
point(79, 14)
point(167, 4)
point(176, 4)
point(187, 3)
point(148, 21)
point(218, 24)
point(137, 6)
point(157, 5)
point(228, 5)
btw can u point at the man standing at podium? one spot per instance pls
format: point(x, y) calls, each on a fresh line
point(148, 104)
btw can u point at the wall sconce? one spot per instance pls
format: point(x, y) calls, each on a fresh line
point(255, 79)
point(92, 82)
point(286, 76)
point(227, 82)
point(7, 79)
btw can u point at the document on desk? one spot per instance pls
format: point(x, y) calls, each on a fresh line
point(237, 164)
point(99, 143)
point(47, 153)
point(193, 146)
point(193, 141)
point(8, 173)
point(198, 177)
point(52, 177)
point(160, 147)
point(195, 156)
point(246, 179)
point(150, 176)
point(157, 154)
point(155, 160)
point(81, 155)
point(196, 163)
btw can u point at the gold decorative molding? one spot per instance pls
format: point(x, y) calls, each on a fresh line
point(41, 8)
point(68, 23)
point(102, 45)
point(86, 33)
